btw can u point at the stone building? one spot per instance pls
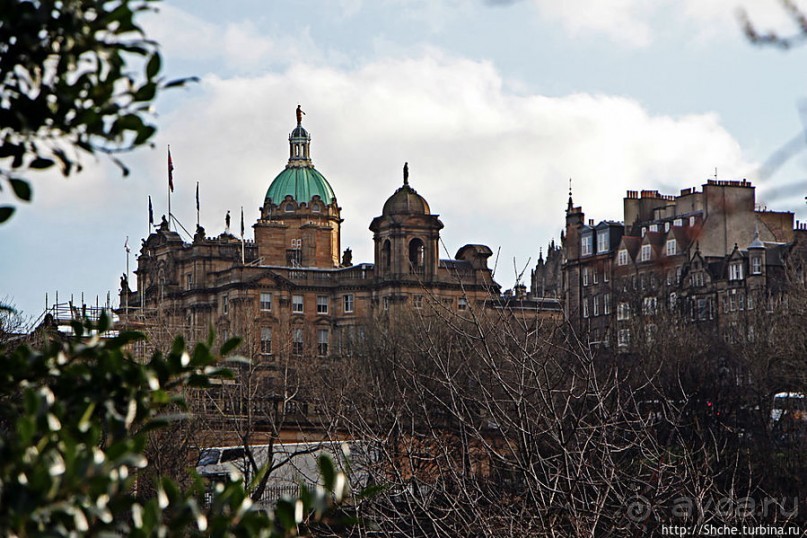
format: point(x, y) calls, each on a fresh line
point(289, 293)
point(707, 256)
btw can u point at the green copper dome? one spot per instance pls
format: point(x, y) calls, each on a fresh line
point(302, 184)
point(300, 179)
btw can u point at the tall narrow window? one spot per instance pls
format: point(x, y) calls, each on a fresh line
point(416, 253)
point(386, 255)
point(322, 304)
point(297, 341)
point(603, 244)
point(266, 340)
point(266, 301)
point(646, 251)
point(585, 276)
point(585, 307)
point(348, 303)
point(756, 265)
point(225, 305)
point(622, 257)
point(322, 342)
point(586, 244)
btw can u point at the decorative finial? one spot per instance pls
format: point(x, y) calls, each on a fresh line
point(299, 114)
point(406, 173)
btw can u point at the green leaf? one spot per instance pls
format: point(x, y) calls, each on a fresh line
point(6, 212)
point(230, 345)
point(42, 162)
point(153, 66)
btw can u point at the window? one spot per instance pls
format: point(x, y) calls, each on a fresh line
point(418, 301)
point(225, 305)
point(606, 304)
point(622, 257)
point(671, 247)
point(386, 303)
point(623, 312)
point(585, 307)
point(673, 300)
point(666, 227)
point(736, 271)
point(416, 254)
point(297, 304)
point(697, 279)
point(348, 303)
point(644, 230)
point(297, 341)
point(189, 281)
point(315, 208)
point(649, 306)
point(692, 221)
point(322, 342)
point(289, 208)
point(594, 275)
point(624, 337)
point(605, 271)
point(266, 340)
point(702, 309)
point(654, 227)
point(266, 301)
point(602, 241)
point(678, 222)
point(596, 305)
point(645, 256)
point(756, 265)
point(462, 303)
point(586, 244)
point(322, 304)
point(585, 276)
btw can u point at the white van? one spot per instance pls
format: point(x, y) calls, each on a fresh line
point(293, 464)
point(790, 404)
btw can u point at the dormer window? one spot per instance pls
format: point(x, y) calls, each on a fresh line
point(586, 245)
point(645, 256)
point(666, 226)
point(602, 241)
point(678, 222)
point(671, 247)
point(622, 257)
point(736, 271)
point(654, 227)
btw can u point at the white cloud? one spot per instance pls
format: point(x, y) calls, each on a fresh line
point(494, 165)
point(638, 23)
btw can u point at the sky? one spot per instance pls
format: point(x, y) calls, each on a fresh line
point(495, 105)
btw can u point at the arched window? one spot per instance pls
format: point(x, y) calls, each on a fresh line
point(386, 255)
point(289, 207)
point(416, 253)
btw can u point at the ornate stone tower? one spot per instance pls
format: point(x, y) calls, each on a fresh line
point(406, 236)
point(300, 219)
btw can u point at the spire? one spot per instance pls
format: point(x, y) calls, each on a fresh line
point(299, 144)
point(570, 205)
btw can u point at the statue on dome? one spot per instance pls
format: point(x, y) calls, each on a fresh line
point(300, 114)
point(227, 220)
point(347, 257)
point(406, 173)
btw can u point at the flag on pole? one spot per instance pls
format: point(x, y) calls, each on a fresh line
point(197, 196)
point(151, 213)
point(242, 222)
point(170, 171)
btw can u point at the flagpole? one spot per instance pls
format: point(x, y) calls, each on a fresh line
point(170, 184)
point(242, 235)
point(126, 291)
point(197, 204)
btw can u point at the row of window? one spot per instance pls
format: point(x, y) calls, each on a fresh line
point(298, 303)
point(593, 275)
point(297, 341)
point(587, 243)
point(596, 301)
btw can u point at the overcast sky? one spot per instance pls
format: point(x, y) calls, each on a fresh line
point(495, 104)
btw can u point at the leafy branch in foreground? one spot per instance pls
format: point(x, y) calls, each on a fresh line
point(76, 76)
point(74, 421)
